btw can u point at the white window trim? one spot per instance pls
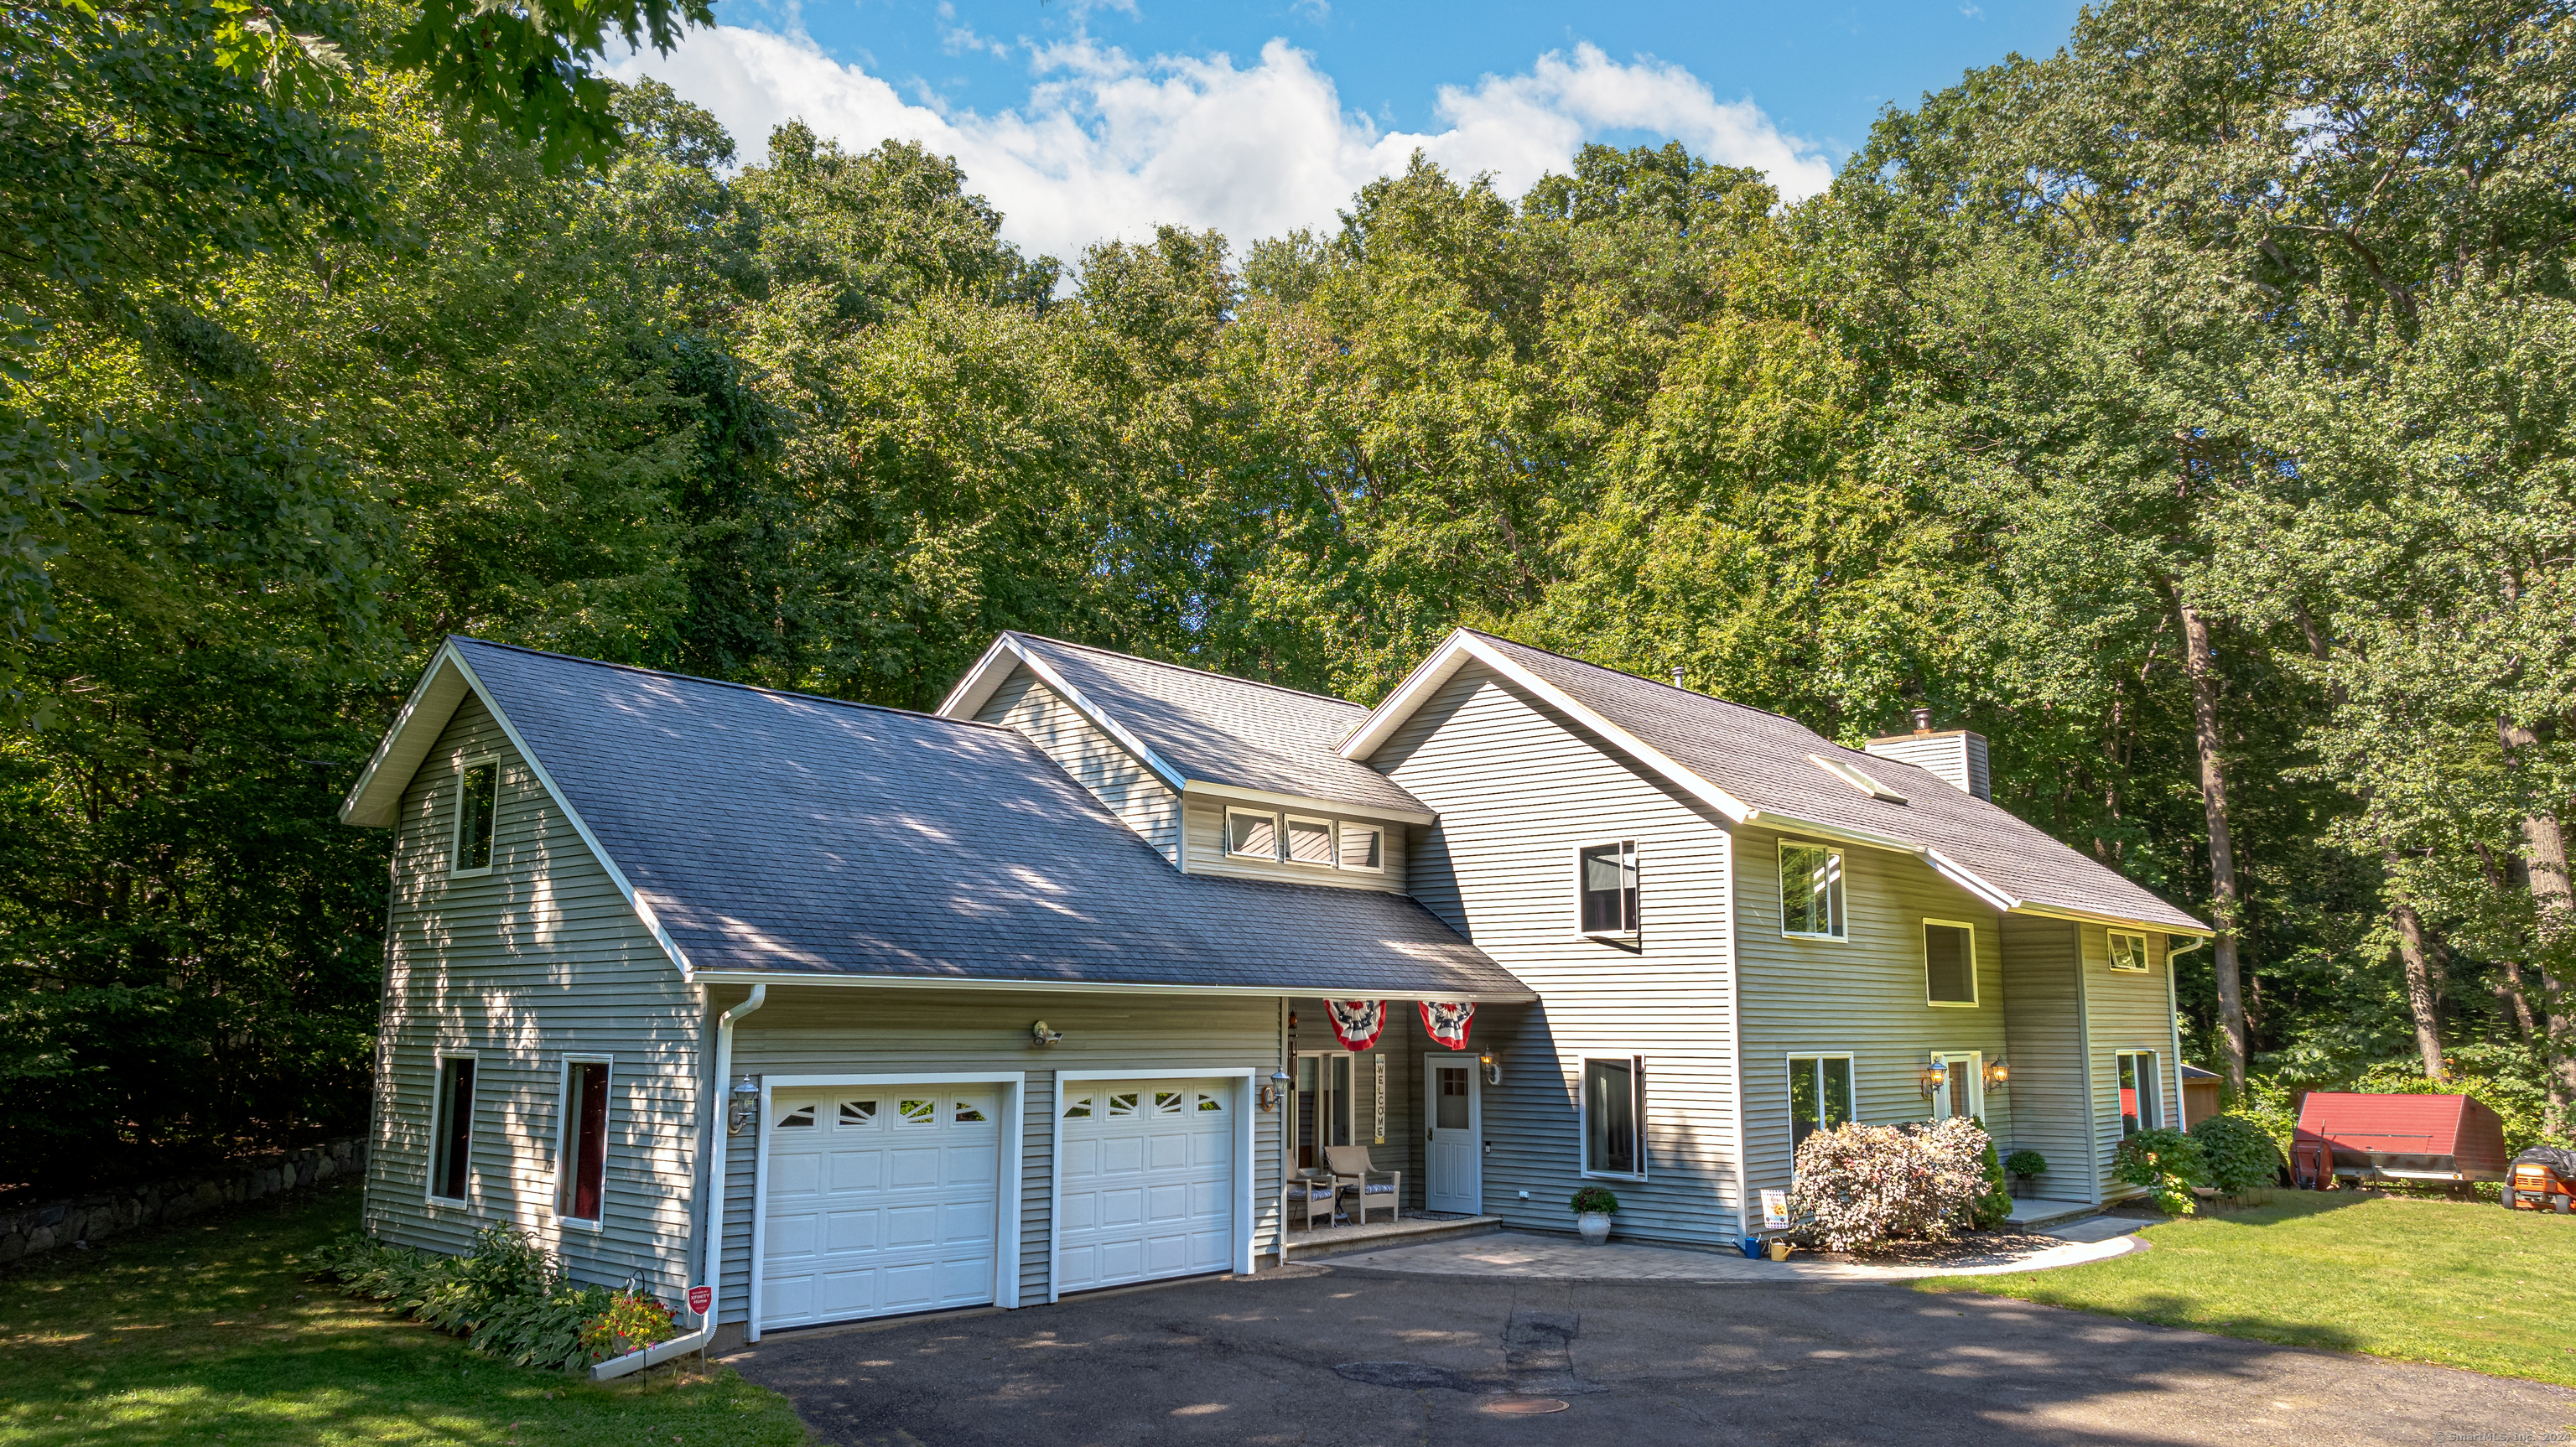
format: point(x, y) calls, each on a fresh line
point(456, 825)
point(1789, 1063)
point(2146, 962)
point(437, 1126)
point(1843, 874)
point(568, 1139)
point(1350, 1098)
point(1637, 1111)
point(1631, 856)
point(1278, 835)
point(1975, 993)
point(1332, 840)
point(1342, 855)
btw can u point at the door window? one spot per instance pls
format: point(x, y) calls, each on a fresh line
point(1450, 1109)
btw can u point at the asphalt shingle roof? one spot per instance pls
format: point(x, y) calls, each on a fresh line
point(795, 834)
point(1761, 758)
point(1224, 730)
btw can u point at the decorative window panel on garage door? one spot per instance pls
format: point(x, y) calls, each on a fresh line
point(880, 1200)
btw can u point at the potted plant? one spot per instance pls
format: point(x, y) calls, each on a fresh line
point(2021, 1166)
point(1592, 1208)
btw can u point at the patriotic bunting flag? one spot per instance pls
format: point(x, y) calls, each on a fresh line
point(1357, 1022)
point(1447, 1022)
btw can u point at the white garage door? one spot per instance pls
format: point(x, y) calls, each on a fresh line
point(1146, 1181)
point(880, 1200)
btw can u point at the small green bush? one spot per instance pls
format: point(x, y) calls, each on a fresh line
point(2026, 1164)
point(1595, 1198)
point(1993, 1209)
point(2238, 1153)
point(507, 1297)
point(2165, 1161)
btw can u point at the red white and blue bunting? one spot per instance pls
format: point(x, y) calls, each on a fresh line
point(1356, 1023)
point(1447, 1021)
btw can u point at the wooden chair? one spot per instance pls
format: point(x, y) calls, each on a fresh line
point(1370, 1186)
point(1311, 1198)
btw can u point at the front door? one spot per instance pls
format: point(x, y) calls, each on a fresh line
point(1958, 1095)
point(1455, 1180)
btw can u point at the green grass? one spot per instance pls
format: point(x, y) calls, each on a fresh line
point(209, 1332)
point(2454, 1283)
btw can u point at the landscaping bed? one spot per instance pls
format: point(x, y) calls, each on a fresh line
point(1972, 1248)
point(213, 1331)
point(2462, 1284)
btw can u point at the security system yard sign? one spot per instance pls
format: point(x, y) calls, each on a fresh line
point(700, 1298)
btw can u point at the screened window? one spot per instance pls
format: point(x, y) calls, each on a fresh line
point(477, 789)
point(1811, 891)
point(1820, 1094)
point(1949, 963)
point(1614, 1117)
point(1606, 880)
point(1361, 844)
point(584, 1157)
point(2139, 1108)
point(2128, 952)
point(451, 1128)
point(1310, 841)
point(1255, 834)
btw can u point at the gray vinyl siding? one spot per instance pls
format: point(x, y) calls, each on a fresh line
point(1862, 996)
point(1206, 854)
point(2043, 1033)
point(2125, 1010)
point(540, 959)
point(855, 1030)
point(1518, 789)
point(1097, 761)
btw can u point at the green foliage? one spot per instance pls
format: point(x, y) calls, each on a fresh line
point(2026, 1164)
point(1594, 1198)
point(1993, 1209)
point(2167, 1162)
point(507, 1297)
point(632, 1320)
point(2503, 1078)
point(2238, 1154)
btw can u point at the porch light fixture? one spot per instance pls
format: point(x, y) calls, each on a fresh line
point(1998, 1074)
point(1272, 1089)
point(1041, 1037)
point(1935, 1075)
point(1493, 1067)
point(742, 1103)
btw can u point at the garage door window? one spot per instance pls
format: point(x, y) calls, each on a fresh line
point(966, 1110)
point(917, 1112)
point(1078, 1108)
point(797, 1118)
point(858, 1114)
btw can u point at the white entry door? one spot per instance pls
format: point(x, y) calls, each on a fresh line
point(881, 1199)
point(1455, 1137)
point(1145, 1182)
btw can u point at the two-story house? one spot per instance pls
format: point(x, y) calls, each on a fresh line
point(855, 1011)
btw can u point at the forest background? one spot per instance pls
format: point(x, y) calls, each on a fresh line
point(2189, 411)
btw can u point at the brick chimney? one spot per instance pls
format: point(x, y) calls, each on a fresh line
point(1957, 755)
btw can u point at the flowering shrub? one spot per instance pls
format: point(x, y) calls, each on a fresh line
point(1860, 1185)
point(2165, 1161)
point(632, 1320)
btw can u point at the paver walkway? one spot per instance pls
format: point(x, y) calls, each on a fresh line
point(1533, 1257)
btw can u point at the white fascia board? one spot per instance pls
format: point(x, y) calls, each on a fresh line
point(1460, 646)
point(1940, 863)
point(1202, 790)
point(373, 801)
point(634, 901)
point(1100, 719)
point(1962, 876)
point(977, 685)
point(2196, 930)
point(782, 978)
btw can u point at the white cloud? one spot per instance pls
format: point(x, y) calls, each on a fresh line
point(1110, 146)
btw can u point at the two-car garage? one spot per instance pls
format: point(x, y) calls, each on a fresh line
point(879, 1197)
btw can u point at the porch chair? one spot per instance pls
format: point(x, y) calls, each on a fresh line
point(1311, 1198)
point(1350, 1166)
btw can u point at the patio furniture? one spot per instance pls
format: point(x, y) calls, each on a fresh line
point(1311, 1197)
point(1370, 1186)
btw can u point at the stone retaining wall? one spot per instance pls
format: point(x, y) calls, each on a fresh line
point(78, 1220)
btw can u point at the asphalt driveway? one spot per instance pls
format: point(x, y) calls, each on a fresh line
point(1336, 1355)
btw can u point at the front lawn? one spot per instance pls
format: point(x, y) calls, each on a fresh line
point(2459, 1284)
point(209, 1333)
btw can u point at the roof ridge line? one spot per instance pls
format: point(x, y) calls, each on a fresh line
point(788, 693)
point(1659, 683)
point(1186, 668)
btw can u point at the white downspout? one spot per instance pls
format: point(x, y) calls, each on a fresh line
point(681, 1346)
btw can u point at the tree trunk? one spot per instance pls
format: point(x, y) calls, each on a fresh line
point(2518, 998)
point(2222, 852)
point(2544, 854)
point(2419, 978)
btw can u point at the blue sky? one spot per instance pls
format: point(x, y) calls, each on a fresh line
point(1085, 120)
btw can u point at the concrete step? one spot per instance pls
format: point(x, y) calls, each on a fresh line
point(1342, 1240)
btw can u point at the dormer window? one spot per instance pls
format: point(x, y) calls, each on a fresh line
point(1255, 834)
point(1310, 841)
point(1362, 848)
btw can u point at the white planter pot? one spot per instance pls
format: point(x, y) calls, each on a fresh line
point(1595, 1226)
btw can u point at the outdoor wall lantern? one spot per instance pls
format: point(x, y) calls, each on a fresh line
point(1935, 1075)
point(742, 1103)
point(1493, 1067)
point(1041, 1037)
point(1273, 1089)
point(1998, 1075)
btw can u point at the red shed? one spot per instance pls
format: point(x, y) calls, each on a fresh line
point(2397, 1137)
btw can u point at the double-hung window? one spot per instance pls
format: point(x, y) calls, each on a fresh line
point(1949, 963)
point(1811, 891)
point(2128, 952)
point(581, 1147)
point(1248, 832)
point(451, 1128)
point(478, 787)
point(2139, 1107)
point(1614, 1117)
point(1820, 1095)
point(1606, 888)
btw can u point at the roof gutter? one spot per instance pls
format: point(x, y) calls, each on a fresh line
point(759, 978)
point(698, 1340)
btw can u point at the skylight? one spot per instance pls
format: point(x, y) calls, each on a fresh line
point(1856, 778)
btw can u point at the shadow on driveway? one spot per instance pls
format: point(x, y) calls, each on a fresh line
point(1340, 1356)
